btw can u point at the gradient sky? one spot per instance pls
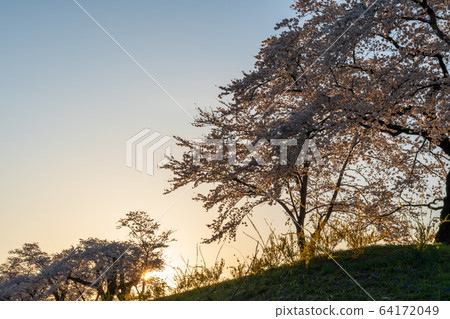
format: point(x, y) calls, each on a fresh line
point(70, 98)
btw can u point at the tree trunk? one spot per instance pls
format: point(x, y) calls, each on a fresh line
point(443, 235)
point(301, 240)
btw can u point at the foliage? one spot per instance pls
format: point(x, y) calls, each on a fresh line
point(151, 289)
point(368, 83)
point(94, 269)
point(423, 232)
point(386, 272)
point(277, 250)
point(198, 275)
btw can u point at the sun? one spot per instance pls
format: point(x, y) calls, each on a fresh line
point(163, 274)
point(148, 275)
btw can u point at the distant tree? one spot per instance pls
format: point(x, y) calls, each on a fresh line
point(95, 269)
point(144, 233)
point(19, 276)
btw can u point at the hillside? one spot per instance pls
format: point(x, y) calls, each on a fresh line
point(385, 272)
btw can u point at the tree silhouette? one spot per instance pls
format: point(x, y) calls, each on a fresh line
point(94, 269)
point(339, 69)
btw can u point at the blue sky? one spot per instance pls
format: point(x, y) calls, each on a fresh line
point(70, 98)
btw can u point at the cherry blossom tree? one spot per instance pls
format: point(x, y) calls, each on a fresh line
point(382, 65)
point(94, 269)
point(349, 180)
point(19, 278)
point(339, 69)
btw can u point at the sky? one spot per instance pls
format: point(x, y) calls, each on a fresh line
point(70, 98)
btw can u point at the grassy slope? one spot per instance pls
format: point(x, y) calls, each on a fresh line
point(385, 272)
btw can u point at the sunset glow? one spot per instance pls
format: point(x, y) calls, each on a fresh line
point(148, 275)
point(272, 151)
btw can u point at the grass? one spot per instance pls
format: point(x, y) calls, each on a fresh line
point(385, 272)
